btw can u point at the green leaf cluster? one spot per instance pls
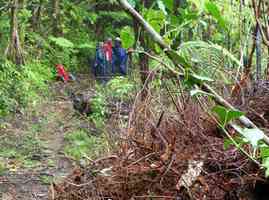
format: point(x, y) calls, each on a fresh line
point(226, 115)
point(80, 145)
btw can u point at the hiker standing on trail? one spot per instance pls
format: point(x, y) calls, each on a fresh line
point(100, 62)
point(97, 59)
point(108, 56)
point(120, 57)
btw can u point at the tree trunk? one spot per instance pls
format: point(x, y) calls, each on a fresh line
point(36, 15)
point(267, 67)
point(143, 59)
point(258, 55)
point(14, 50)
point(178, 38)
point(246, 76)
point(144, 66)
point(56, 17)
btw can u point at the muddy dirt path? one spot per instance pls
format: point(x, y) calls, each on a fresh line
point(32, 144)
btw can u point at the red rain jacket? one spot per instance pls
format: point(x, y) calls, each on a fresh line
point(62, 73)
point(108, 51)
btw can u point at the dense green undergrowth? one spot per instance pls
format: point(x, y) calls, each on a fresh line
point(119, 89)
point(21, 86)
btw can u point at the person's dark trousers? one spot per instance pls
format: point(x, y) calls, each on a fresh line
point(113, 69)
point(110, 73)
point(123, 70)
point(104, 73)
point(94, 70)
point(102, 76)
point(109, 69)
point(92, 66)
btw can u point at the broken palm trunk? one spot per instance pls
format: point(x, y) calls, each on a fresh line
point(179, 62)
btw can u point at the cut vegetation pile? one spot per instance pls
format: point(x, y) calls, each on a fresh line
point(168, 155)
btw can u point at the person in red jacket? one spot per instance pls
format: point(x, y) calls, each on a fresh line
point(108, 50)
point(62, 73)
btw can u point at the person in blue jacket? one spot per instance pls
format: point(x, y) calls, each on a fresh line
point(119, 58)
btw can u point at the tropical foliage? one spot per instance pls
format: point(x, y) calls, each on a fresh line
point(212, 42)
